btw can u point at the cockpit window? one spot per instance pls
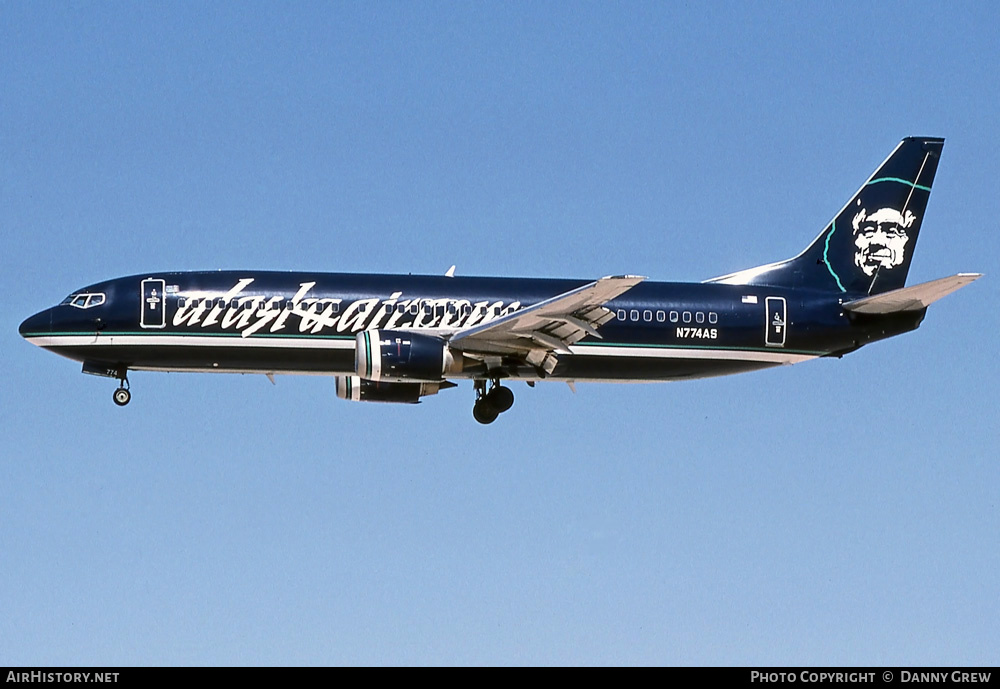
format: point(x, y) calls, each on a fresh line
point(85, 300)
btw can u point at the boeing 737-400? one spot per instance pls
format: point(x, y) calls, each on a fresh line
point(398, 338)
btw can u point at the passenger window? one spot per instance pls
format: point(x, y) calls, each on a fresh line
point(647, 316)
point(673, 316)
point(713, 317)
point(699, 317)
point(621, 314)
point(634, 314)
point(687, 316)
point(660, 317)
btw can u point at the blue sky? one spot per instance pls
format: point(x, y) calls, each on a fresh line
point(835, 512)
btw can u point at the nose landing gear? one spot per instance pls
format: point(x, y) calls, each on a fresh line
point(490, 404)
point(122, 396)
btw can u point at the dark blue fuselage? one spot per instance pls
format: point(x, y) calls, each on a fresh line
point(271, 322)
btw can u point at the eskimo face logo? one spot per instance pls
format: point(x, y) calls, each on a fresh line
point(880, 238)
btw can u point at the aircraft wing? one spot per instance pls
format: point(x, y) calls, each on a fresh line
point(911, 298)
point(539, 332)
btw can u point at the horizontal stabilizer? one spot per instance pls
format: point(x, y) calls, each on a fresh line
point(911, 298)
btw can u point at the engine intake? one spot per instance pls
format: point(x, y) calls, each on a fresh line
point(403, 356)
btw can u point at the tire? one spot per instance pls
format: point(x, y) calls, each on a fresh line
point(122, 397)
point(484, 413)
point(501, 399)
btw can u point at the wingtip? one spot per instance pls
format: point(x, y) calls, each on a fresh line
point(625, 277)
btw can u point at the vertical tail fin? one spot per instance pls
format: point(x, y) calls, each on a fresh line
point(867, 248)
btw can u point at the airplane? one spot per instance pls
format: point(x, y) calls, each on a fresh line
point(399, 338)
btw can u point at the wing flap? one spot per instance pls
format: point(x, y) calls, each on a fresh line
point(549, 326)
point(911, 298)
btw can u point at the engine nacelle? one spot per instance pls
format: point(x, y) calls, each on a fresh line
point(403, 356)
point(360, 390)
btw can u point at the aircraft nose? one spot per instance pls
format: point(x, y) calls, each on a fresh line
point(36, 325)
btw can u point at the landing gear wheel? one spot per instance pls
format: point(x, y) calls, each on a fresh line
point(490, 405)
point(483, 412)
point(122, 395)
point(501, 398)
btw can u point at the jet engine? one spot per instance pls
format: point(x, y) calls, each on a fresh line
point(361, 390)
point(403, 356)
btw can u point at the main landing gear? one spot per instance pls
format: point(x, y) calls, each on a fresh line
point(491, 404)
point(122, 396)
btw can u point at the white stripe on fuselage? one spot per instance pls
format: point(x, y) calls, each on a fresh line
point(654, 352)
point(775, 356)
point(150, 340)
